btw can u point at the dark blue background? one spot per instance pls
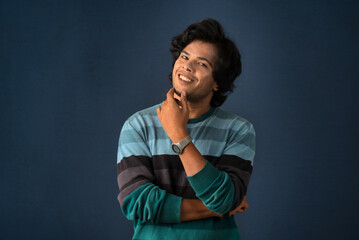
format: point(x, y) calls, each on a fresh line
point(73, 71)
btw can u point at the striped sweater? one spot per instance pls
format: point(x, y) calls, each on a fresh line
point(152, 180)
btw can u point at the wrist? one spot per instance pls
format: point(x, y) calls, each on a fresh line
point(194, 209)
point(216, 215)
point(180, 135)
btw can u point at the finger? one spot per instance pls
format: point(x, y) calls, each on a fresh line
point(184, 101)
point(245, 208)
point(178, 102)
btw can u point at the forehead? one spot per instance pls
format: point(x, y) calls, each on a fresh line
point(200, 49)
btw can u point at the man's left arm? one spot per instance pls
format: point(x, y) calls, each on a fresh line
point(221, 190)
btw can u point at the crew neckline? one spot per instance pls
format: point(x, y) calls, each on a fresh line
point(202, 117)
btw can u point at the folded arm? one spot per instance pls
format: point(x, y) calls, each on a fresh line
point(220, 188)
point(140, 198)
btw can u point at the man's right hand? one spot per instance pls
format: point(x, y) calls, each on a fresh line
point(243, 207)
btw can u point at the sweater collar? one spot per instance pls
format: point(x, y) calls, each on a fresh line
point(202, 117)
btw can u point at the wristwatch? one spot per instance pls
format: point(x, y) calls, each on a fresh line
point(178, 147)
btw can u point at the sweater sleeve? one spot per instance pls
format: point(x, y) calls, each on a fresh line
point(214, 188)
point(139, 197)
point(221, 186)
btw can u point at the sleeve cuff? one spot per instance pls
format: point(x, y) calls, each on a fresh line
point(171, 211)
point(201, 180)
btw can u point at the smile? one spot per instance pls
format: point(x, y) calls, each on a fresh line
point(186, 79)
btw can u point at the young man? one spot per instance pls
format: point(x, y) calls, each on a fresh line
point(184, 165)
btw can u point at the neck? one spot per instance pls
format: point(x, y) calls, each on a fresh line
point(197, 109)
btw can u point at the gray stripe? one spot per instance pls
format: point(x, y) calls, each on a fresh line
point(134, 174)
point(128, 190)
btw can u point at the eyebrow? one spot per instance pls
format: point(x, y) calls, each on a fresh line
point(202, 58)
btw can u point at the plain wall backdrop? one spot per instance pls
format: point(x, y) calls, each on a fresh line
point(71, 73)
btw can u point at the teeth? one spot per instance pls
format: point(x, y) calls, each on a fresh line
point(185, 79)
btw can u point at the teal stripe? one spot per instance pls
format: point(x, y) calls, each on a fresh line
point(219, 123)
point(146, 120)
point(148, 111)
point(223, 114)
point(210, 139)
point(209, 229)
point(218, 112)
point(163, 147)
point(206, 147)
point(130, 136)
point(149, 118)
point(149, 133)
point(236, 123)
point(199, 133)
point(129, 149)
point(153, 121)
point(241, 151)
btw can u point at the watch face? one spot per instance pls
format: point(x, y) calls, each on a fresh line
point(176, 149)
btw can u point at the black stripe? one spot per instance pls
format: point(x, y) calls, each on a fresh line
point(167, 162)
point(236, 162)
point(134, 161)
point(168, 173)
point(241, 191)
point(174, 162)
point(185, 192)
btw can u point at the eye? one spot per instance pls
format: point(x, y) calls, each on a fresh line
point(202, 64)
point(184, 57)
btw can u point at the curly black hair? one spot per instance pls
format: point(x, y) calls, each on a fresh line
point(228, 66)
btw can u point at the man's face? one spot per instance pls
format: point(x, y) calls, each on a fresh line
point(193, 71)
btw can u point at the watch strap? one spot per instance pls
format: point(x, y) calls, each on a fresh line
point(185, 142)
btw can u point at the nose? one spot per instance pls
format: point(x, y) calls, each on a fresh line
point(188, 66)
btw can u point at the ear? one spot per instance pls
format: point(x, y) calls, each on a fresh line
point(215, 86)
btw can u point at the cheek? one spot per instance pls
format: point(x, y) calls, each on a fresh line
point(208, 76)
point(174, 69)
point(176, 66)
point(210, 81)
